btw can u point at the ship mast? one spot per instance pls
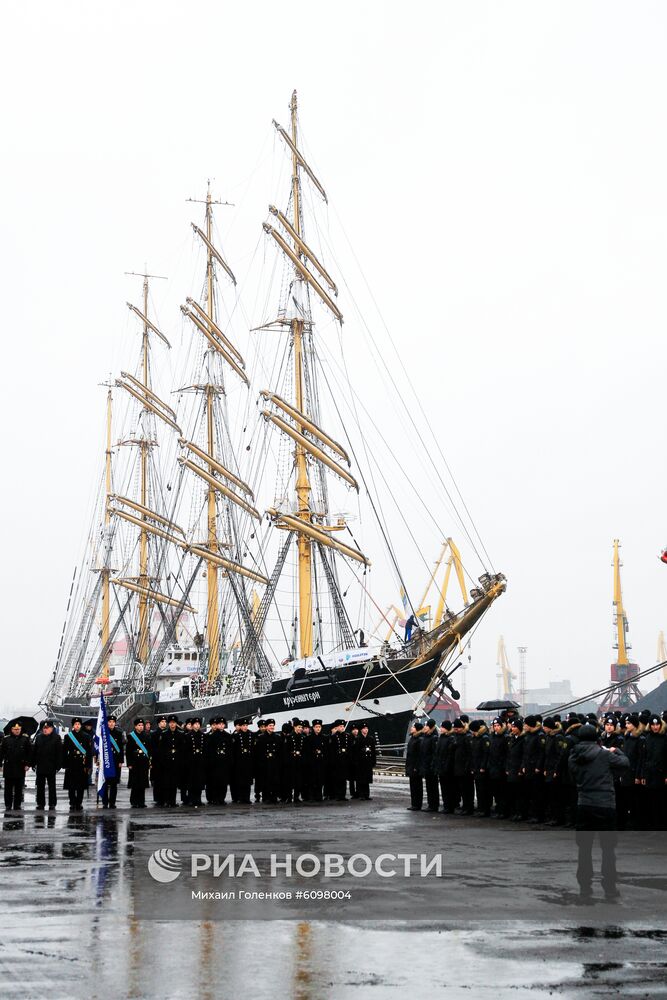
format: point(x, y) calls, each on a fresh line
point(212, 620)
point(144, 446)
point(299, 419)
point(219, 479)
point(302, 481)
point(106, 569)
point(151, 404)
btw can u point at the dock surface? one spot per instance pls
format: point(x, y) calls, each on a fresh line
point(503, 920)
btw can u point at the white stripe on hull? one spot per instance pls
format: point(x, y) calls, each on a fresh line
point(307, 709)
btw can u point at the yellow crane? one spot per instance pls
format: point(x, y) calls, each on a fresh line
point(662, 653)
point(625, 692)
point(453, 561)
point(505, 673)
point(621, 619)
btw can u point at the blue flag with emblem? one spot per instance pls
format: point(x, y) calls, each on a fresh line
point(103, 745)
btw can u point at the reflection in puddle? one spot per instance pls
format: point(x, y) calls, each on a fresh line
point(303, 965)
point(81, 866)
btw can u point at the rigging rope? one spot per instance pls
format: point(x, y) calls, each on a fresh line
point(393, 382)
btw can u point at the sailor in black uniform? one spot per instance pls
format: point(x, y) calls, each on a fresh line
point(340, 745)
point(498, 745)
point(268, 756)
point(354, 736)
point(316, 761)
point(218, 748)
point(442, 765)
point(654, 773)
point(261, 728)
point(294, 762)
point(555, 761)
point(427, 748)
point(117, 739)
point(138, 764)
point(77, 762)
point(195, 764)
point(413, 767)
point(306, 790)
point(242, 760)
point(183, 777)
point(155, 773)
point(634, 748)
point(46, 761)
point(516, 797)
point(534, 747)
point(16, 758)
point(168, 767)
point(480, 747)
point(462, 753)
point(285, 793)
point(365, 757)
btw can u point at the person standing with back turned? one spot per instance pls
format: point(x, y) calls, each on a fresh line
point(593, 769)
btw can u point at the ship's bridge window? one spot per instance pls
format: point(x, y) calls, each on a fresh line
point(177, 656)
point(186, 656)
point(195, 656)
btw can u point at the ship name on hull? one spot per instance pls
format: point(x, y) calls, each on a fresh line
point(299, 699)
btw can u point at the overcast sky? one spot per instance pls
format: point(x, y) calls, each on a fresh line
point(500, 171)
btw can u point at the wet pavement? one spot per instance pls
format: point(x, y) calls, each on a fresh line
point(509, 919)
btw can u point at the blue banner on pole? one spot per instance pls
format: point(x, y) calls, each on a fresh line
point(107, 764)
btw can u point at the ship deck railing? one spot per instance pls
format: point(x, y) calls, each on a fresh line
point(125, 705)
point(207, 700)
point(389, 765)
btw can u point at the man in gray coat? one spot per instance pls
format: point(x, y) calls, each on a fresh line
point(593, 768)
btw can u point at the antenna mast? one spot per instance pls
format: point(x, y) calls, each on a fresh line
point(523, 652)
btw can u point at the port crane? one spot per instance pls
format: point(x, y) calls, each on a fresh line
point(623, 672)
point(505, 676)
point(453, 561)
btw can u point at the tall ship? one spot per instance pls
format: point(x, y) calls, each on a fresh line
point(223, 572)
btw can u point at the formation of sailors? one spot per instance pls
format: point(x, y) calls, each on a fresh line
point(515, 769)
point(187, 765)
point(518, 769)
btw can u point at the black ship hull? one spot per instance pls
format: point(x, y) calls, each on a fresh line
point(385, 694)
